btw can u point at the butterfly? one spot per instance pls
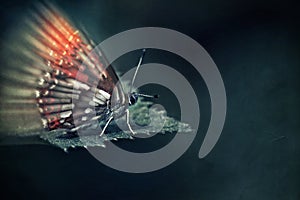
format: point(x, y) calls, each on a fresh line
point(67, 72)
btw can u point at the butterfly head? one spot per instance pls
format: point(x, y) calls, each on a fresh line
point(133, 98)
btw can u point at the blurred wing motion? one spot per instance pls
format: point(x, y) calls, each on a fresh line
point(53, 79)
point(50, 68)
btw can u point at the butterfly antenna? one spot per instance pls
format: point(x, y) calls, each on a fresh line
point(148, 96)
point(137, 69)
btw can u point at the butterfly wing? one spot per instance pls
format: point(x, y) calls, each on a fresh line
point(64, 69)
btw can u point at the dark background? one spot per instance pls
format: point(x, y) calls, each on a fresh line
point(256, 48)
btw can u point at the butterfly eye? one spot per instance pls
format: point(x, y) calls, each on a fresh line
point(133, 99)
point(103, 76)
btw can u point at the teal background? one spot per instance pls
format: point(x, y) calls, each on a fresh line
point(256, 48)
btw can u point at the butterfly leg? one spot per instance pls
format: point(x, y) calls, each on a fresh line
point(128, 122)
point(106, 125)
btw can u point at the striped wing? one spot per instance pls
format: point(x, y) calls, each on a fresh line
point(69, 72)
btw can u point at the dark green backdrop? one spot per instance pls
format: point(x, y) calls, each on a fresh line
point(256, 48)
